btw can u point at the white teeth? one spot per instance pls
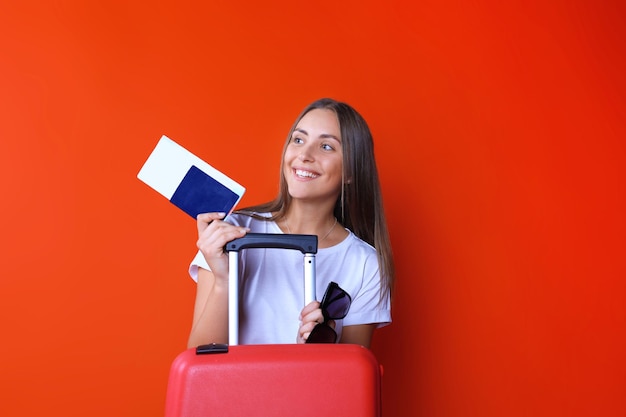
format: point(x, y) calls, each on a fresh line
point(307, 174)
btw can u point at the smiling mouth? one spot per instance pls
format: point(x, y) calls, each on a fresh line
point(305, 174)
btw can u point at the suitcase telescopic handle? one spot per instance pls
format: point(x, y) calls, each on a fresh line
point(307, 244)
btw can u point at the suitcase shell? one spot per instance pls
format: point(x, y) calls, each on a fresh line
point(274, 380)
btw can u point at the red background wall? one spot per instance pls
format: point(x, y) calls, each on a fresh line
point(499, 129)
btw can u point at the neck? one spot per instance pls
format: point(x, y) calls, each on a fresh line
point(320, 237)
point(313, 222)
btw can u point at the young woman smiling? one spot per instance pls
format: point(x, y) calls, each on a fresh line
point(329, 187)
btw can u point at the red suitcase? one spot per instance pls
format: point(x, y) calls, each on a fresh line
point(274, 380)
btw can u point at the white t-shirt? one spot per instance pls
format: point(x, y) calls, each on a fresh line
point(271, 287)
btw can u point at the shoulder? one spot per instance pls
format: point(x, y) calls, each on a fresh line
point(353, 250)
point(353, 242)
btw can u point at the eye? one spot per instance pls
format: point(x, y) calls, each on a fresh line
point(327, 147)
point(297, 139)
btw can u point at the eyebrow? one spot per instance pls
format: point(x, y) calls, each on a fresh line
point(323, 135)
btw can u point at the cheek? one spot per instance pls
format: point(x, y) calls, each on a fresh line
point(334, 175)
point(287, 165)
point(287, 159)
point(335, 166)
point(288, 156)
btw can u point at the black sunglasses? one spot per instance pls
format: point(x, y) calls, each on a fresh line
point(335, 305)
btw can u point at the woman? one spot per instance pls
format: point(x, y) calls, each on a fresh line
point(328, 187)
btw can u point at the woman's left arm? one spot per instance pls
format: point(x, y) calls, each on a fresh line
point(360, 334)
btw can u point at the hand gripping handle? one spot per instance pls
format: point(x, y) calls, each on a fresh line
point(307, 244)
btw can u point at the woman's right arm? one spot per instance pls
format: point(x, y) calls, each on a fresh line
point(210, 313)
point(210, 316)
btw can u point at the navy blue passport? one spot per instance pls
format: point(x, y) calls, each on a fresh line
point(199, 193)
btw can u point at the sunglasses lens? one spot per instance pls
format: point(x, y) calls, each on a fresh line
point(322, 333)
point(336, 303)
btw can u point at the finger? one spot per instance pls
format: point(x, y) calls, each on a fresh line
point(215, 232)
point(204, 219)
point(314, 317)
point(305, 330)
point(309, 308)
point(213, 239)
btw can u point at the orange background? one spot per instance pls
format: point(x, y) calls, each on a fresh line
point(499, 130)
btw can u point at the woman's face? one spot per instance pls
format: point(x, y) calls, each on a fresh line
point(313, 157)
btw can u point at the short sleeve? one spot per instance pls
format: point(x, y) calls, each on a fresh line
point(197, 262)
point(367, 306)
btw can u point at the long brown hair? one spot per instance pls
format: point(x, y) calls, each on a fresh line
point(360, 204)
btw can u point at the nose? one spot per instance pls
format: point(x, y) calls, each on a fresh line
point(306, 153)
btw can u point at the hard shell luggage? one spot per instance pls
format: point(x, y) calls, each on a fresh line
point(273, 380)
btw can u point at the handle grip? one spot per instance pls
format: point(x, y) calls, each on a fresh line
point(303, 243)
